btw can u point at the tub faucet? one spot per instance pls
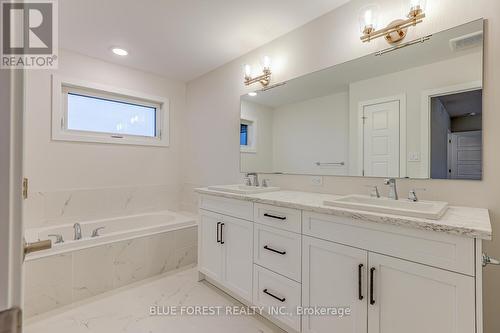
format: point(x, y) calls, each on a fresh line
point(78, 231)
point(393, 191)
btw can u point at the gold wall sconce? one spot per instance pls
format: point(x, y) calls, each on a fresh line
point(264, 78)
point(396, 30)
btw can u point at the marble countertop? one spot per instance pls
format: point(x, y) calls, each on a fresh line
point(463, 221)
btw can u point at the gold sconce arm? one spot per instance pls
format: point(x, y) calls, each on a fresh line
point(264, 79)
point(396, 30)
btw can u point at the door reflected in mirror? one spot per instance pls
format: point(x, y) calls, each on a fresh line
point(414, 112)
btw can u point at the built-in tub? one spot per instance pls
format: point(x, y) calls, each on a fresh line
point(115, 230)
point(129, 249)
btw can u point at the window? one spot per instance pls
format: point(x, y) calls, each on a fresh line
point(248, 130)
point(244, 135)
point(94, 113)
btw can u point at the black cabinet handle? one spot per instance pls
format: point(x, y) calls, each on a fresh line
point(221, 233)
point(360, 287)
point(274, 296)
point(372, 298)
point(218, 239)
point(282, 218)
point(275, 251)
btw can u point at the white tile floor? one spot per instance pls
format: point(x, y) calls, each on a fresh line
point(127, 310)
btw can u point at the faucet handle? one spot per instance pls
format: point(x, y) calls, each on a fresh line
point(412, 195)
point(59, 238)
point(375, 192)
point(95, 232)
point(266, 182)
point(247, 181)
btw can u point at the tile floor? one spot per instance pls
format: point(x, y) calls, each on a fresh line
point(128, 310)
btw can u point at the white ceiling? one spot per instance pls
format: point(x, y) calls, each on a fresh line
point(180, 39)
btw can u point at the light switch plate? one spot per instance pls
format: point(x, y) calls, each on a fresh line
point(317, 180)
point(413, 156)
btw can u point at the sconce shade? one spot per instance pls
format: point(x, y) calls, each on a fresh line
point(248, 70)
point(368, 18)
point(416, 7)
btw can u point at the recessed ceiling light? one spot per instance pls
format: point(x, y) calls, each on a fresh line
point(119, 51)
point(252, 94)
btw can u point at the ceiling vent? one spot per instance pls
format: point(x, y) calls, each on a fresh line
point(468, 41)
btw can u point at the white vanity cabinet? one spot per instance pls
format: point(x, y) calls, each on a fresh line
point(385, 294)
point(225, 252)
point(392, 278)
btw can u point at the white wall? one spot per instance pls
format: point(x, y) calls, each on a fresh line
point(314, 130)
point(260, 159)
point(211, 153)
point(80, 175)
point(412, 83)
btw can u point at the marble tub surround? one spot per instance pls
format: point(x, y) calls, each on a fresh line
point(46, 208)
point(464, 221)
point(61, 279)
point(127, 310)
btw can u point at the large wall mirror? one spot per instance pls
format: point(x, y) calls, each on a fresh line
point(414, 112)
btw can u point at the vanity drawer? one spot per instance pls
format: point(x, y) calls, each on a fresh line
point(232, 207)
point(278, 250)
point(278, 217)
point(274, 290)
point(440, 250)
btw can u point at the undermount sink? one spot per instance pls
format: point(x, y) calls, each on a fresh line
point(433, 210)
point(243, 189)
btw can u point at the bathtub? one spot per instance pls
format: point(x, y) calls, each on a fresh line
point(129, 249)
point(114, 230)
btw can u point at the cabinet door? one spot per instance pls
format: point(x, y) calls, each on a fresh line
point(237, 265)
point(334, 275)
point(414, 298)
point(210, 248)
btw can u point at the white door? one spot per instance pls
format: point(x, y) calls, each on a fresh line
point(11, 231)
point(414, 298)
point(237, 266)
point(334, 275)
point(210, 247)
point(466, 160)
point(381, 139)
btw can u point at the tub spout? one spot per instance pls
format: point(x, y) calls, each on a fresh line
point(78, 231)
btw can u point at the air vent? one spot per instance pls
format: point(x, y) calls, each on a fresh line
point(466, 41)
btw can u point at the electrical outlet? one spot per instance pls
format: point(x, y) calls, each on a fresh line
point(317, 180)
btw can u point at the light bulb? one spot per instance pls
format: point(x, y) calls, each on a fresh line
point(252, 94)
point(368, 16)
point(248, 71)
point(416, 7)
point(266, 63)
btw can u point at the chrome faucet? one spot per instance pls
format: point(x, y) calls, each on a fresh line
point(78, 231)
point(393, 191)
point(254, 178)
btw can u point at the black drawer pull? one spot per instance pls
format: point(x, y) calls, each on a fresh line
point(275, 251)
point(282, 218)
point(221, 233)
point(372, 297)
point(274, 296)
point(360, 291)
point(218, 239)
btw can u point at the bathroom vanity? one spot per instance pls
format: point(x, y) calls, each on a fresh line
point(394, 273)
